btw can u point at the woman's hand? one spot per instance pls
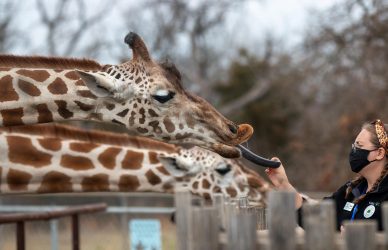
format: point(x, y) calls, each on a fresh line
point(279, 177)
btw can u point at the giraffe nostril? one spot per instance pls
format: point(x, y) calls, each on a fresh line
point(233, 128)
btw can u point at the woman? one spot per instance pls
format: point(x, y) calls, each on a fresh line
point(361, 198)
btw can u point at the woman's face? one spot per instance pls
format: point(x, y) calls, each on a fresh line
point(363, 141)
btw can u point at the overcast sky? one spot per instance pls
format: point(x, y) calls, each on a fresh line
point(284, 19)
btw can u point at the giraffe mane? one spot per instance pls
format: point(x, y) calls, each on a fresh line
point(14, 61)
point(93, 136)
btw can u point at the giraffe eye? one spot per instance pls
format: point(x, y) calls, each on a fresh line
point(163, 96)
point(224, 170)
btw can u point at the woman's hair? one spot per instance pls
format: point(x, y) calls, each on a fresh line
point(371, 128)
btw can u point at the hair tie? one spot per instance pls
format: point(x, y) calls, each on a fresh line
point(381, 133)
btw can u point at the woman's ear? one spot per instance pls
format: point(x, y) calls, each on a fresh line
point(381, 153)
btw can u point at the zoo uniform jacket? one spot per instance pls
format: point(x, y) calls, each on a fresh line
point(368, 208)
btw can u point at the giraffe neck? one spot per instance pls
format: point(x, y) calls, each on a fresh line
point(29, 96)
point(44, 164)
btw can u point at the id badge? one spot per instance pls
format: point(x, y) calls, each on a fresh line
point(348, 206)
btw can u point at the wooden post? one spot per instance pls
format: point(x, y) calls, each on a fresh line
point(20, 236)
point(205, 230)
point(183, 219)
point(243, 202)
point(124, 227)
point(219, 204)
point(282, 220)
point(360, 235)
point(75, 231)
point(262, 221)
point(242, 231)
point(385, 222)
point(319, 225)
point(229, 208)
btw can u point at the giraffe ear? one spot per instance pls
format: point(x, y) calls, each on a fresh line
point(173, 166)
point(103, 85)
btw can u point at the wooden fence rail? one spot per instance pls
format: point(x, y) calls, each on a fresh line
point(233, 224)
point(74, 212)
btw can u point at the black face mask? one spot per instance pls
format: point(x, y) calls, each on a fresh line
point(358, 158)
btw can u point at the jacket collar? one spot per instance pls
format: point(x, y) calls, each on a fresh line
point(361, 187)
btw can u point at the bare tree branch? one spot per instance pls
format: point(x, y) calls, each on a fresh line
point(8, 13)
point(57, 23)
point(254, 94)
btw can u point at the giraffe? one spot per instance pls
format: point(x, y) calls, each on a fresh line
point(57, 158)
point(141, 94)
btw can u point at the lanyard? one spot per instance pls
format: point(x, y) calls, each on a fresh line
point(354, 212)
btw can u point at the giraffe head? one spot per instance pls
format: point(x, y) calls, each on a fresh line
point(205, 173)
point(148, 98)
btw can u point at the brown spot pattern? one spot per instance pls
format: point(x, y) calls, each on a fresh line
point(84, 106)
point(195, 185)
point(155, 127)
point(72, 75)
point(28, 88)
point(62, 109)
point(153, 157)
point(190, 121)
point(44, 114)
point(162, 170)
point(37, 75)
point(76, 162)
point(12, 116)
point(138, 80)
point(98, 182)
point(152, 178)
point(86, 93)
point(123, 113)
point(128, 183)
point(142, 113)
point(18, 180)
point(152, 113)
point(7, 92)
point(206, 196)
point(108, 157)
point(79, 83)
point(142, 130)
point(109, 106)
point(54, 182)
point(205, 184)
point(84, 147)
point(58, 87)
point(231, 191)
point(22, 151)
point(50, 144)
point(132, 160)
point(170, 127)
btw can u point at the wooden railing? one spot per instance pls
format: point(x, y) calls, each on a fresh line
point(21, 218)
point(229, 224)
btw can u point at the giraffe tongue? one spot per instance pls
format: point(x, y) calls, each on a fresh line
point(252, 157)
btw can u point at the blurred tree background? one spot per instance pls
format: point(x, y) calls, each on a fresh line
point(306, 102)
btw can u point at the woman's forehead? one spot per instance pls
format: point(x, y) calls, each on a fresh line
point(363, 137)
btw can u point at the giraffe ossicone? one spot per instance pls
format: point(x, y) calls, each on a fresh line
point(56, 158)
point(144, 96)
